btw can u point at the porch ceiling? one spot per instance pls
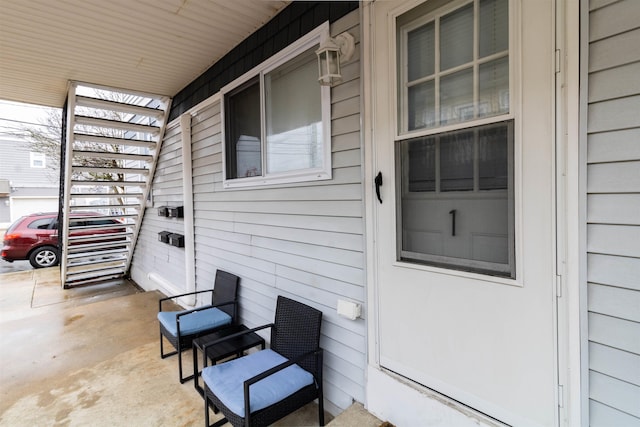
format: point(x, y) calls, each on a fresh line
point(155, 46)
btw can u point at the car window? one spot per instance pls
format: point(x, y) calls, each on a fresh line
point(15, 225)
point(40, 224)
point(101, 222)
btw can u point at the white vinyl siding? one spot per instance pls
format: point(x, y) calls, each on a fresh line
point(151, 255)
point(613, 213)
point(302, 240)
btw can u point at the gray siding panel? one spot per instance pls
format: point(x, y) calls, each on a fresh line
point(615, 82)
point(615, 19)
point(605, 416)
point(303, 240)
point(613, 213)
point(615, 393)
point(615, 51)
point(614, 270)
point(150, 255)
point(614, 301)
point(614, 146)
point(605, 209)
point(616, 364)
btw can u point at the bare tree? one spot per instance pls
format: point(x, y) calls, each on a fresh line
point(46, 139)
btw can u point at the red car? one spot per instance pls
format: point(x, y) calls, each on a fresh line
point(35, 236)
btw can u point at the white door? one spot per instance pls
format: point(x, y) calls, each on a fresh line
point(463, 136)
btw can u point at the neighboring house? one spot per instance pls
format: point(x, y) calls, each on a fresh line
point(472, 184)
point(27, 185)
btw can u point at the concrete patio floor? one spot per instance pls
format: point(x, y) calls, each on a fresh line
point(90, 356)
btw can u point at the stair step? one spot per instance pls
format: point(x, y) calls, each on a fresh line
point(96, 246)
point(96, 264)
point(102, 183)
point(113, 206)
point(99, 227)
point(92, 280)
point(92, 275)
point(105, 104)
point(73, 254)
point(108, 140)
point(86, 154)
point(94, 268)
point(105, 170)
point(99, 237)
point(100, 216)
point(93, 261)
point(106, 195)
point(116, 124)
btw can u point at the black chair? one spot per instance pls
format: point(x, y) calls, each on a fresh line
point(262, 387)
point(180, 328)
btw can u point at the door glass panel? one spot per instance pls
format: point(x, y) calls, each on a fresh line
point(494, 88)
point(456, 199)
point(420, 52)
point(494, 27)
point(456, 38)
point(456, 97)
point(422, 112)
point(493, 158)
point(456, 162)
point(421, 155)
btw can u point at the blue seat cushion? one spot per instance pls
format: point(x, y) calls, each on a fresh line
point(194, 322)
point(226, 381)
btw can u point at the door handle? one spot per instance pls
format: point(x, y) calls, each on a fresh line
point(378, 181)
point(453, 222)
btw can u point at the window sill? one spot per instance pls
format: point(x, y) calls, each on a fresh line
point(261, 181)
point(517, 282)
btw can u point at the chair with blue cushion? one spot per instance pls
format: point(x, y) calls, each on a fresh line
point(180, 328)
point(262, 387)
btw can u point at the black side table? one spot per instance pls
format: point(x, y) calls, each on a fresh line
point(232, 347)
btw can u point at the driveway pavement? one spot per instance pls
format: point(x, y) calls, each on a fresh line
point(12, 267)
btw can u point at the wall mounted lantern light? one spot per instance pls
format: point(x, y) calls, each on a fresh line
point(330, 53)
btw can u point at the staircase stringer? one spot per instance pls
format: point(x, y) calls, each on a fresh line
point(149, 179)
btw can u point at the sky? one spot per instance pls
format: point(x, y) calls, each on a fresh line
point(14, 116)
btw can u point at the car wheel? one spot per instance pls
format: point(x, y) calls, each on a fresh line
point(46, 256)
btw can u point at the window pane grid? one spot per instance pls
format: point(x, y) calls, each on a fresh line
point(485, 49)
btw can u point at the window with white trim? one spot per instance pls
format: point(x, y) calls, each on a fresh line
point(455, 137)
point(277, 120)
point(37, 160)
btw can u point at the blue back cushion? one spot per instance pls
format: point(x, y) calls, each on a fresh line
point(194, 322)
point(226, 381)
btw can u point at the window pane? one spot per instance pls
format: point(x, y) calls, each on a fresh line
point(456, 97)
point(494, 88)
point(243, 132)
point(494, 26)
point(456, 161)
point(294, 116)
point(456, 38)
point(493, 160)
point(465, 230)
point(421, 101)
point(420, 156)
point(421, 52)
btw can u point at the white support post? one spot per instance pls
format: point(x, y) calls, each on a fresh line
point(187, 191)
point(63, 229)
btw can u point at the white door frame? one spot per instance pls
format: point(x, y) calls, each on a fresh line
point(570, 223)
